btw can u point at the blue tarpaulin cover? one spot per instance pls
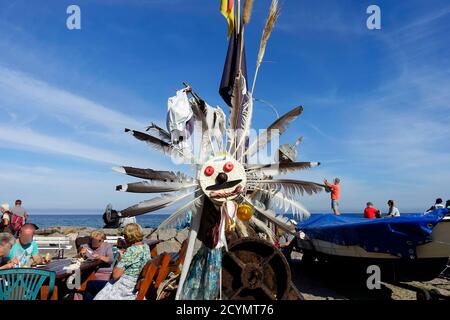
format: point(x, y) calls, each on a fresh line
point(398, 236)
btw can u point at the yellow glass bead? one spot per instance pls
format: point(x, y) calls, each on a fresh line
point(244, 212)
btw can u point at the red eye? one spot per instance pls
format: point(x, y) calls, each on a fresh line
point(209, 171)
point(228, 167)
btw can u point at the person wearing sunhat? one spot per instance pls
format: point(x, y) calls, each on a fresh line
point(25, 250)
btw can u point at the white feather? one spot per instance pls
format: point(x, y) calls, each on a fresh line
point(281, 125)
point(156, 186)
point(247, 114)
point(193, 206)
point(155, 204)
point(276, 169)
point(289, 187)
point(288, 205)
point(271, 216)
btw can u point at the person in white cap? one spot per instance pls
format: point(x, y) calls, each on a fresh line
point(5, 225)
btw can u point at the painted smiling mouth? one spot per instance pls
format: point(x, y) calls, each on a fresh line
point(226, 185)
point(221, 195)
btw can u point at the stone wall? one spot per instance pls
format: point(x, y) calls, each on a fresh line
point(171, 239)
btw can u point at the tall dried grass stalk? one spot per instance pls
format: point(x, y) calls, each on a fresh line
point(248, 7)
point(274, 13)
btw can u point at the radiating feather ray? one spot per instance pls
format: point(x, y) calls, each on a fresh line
point(234, 126)
point(271, 216)
point(158, 144)
point(154, 204)
point(286, 203)
point(247, 115)
point(155, 186)
point(281, 124)
point(151, 174)
point(163, 134)
point(191, 205)
point(290, 187)
point(206, 147)
point(280, 168)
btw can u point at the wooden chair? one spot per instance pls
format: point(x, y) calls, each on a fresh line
point(175, 264)
point(157, 270)
point(154, 272)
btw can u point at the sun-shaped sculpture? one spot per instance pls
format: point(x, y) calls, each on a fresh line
point(228, 192)
point(223, 177)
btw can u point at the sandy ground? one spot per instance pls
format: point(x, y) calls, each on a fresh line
point(320, 284)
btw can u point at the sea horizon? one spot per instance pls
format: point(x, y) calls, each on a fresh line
point(94, 220)
point(160, 212)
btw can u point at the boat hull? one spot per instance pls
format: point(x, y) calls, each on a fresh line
point(431, 258)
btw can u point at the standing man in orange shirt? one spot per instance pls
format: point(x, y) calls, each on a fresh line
point(335, 194)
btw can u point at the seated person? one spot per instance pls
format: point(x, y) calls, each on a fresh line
point(97, 248)
point(25, 250)
point(6, 242)
point(125, 274)
point(370, 212)
point(393, 211)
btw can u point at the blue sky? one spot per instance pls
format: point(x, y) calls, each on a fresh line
point(376, 102)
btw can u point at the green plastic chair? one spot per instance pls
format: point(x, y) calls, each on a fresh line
point(24, 283)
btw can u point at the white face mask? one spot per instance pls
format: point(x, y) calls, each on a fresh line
point(221, 191)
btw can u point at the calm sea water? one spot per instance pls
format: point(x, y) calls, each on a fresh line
point(89, 220)
point(94, 220)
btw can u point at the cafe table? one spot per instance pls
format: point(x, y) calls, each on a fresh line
point(88, 269)
point(87, 272)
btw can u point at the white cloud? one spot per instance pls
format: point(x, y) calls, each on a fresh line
point(23, 90)
point(26, 138)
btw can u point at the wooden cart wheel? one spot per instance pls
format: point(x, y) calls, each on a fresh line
point(423, 295)
point(254, 269)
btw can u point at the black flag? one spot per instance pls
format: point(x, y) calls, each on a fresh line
point(231, 68)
